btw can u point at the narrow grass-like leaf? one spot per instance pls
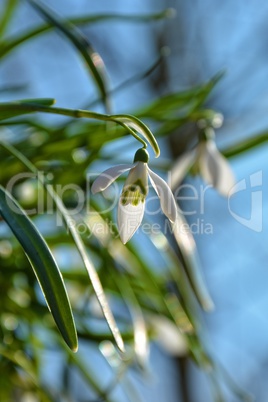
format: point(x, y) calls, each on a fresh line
point(183, 318)
point(20, 360)
point(187, 247)
point(7, 15)
point(89, 375)
point(93, 275)
point(13, 88)
point(180, 103)
point(246, 145)
point(20, 38)
point(133, 122)
point(130, 81)
point(17, 108)
point(92, 58)
point(68, 219)
point(141, 344)
point(240, 393)
point(43, 264)
point(37, 101)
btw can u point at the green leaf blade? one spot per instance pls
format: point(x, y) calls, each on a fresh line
point(187, 247)
point(16, 40)
point(92, 58)
point(43, 264)
point(18, 108)
point(7, 15)
point(132, 122)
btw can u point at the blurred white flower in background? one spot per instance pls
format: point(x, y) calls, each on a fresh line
point(168, 335)
point(206, 160)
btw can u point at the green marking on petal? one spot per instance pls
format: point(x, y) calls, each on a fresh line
point(134, 194)
point(125, 197)
point(136, 199)
point(141, 187)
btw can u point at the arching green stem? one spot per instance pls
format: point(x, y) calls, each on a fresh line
point(131, 123)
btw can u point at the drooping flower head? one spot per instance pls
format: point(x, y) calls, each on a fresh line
point(208, 161)
point(132, 200)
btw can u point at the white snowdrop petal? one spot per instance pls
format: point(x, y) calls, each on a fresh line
point(167, 200)
point(169, 336)
point(181, 168)
point(129, 218)
point(207, 166)
point(138, 173)
point(108, 177)
point(223, 177)
point(227, 178)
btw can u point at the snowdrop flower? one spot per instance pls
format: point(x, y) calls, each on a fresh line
point(132, 200)
point(205, 158)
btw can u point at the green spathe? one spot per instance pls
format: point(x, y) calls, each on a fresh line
point(141, 156)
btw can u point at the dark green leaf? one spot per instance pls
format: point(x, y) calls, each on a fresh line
point(43, 264)
point(18, 39)
point(180, 103)
point(15, 108)
point(92, 58)
point(7, 15)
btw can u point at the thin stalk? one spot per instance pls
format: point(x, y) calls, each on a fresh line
point(7, 15)
point(77, 113)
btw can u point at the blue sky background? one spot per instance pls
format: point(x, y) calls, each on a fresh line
point(205, 37)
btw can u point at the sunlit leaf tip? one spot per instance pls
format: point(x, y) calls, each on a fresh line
point(217, 77)
point(38, 101)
